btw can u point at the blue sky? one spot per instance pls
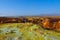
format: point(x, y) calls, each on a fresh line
point(29, 7)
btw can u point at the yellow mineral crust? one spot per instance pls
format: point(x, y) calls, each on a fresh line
point(26, 31)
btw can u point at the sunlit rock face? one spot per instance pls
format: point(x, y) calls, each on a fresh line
point(51, 23)
point(26, 31)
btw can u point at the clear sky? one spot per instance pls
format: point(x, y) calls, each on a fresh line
point(29, 7)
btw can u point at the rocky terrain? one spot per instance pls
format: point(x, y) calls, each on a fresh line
point(30, 28)
point(47, 22)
